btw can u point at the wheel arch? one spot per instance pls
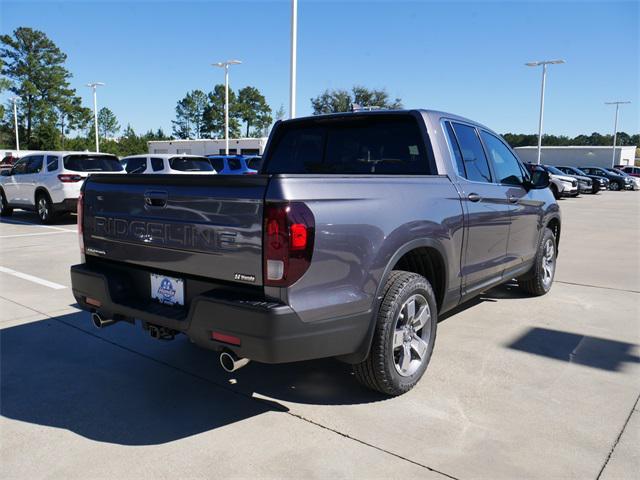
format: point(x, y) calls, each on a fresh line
point(38, 191)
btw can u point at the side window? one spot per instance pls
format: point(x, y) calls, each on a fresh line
point(217, 164)
point(136, 165)
point(52, 163)
point(475, 161)
point(35, 164)
point(157, 164)
point(456, 150)
point(234, 164)
point(20, 167)
point(505, 164)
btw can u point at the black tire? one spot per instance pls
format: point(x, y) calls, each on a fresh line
point(5, 209)
point(537, 281)
point(379, 371)
point(555, 192)
point(44, 208)
point(614, 186)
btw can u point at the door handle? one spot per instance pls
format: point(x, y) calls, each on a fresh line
point(155, 199)
point(513, 199)
point(474, 197)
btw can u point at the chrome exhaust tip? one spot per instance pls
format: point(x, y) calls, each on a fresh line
point(100, 322)
point(230, 361)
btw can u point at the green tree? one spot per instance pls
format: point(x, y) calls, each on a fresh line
point(35, 67)
point(340, 100)
point(254, 111)
point(214, 113)
point(108, 125)
point(190, 115)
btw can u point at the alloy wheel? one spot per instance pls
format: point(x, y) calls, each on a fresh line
point(548, 262)
point(43, 208)
point(411, 335)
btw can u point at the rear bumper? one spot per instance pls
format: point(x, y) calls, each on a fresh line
point(269, 332)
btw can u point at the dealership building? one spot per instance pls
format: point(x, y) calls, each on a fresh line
point(578, 156)
point(237, 146)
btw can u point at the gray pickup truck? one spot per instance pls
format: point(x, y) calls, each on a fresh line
point(358, 232)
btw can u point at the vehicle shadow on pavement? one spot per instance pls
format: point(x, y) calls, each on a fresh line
point(20, 217)
point(575, 348)
point(55, 375)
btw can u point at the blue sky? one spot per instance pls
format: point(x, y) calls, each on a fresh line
point(463, 57)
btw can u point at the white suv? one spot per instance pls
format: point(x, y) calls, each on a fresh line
point(49, 182)
point(168, 163)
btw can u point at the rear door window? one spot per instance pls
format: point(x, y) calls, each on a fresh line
point(92, 163)
point(136, 165)
point(376, 144)
point(217, 164)
point(475, 161)
point(157, 164)
point(234, 164)
point(52, 163)
point(190, 164)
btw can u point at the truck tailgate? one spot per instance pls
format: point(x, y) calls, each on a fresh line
point(205, 225)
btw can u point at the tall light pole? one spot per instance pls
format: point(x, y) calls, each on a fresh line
point(544, 64)
point(94, 86)
point(225, 65)
point(294, 58)
point(615, 128)
point(15, 121)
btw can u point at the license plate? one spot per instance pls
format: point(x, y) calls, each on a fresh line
point(167, 290)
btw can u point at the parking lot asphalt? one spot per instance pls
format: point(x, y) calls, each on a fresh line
point(517, 387)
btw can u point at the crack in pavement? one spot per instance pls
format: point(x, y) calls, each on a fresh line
point(615, 443)
point(226, 388)
point(597, 286)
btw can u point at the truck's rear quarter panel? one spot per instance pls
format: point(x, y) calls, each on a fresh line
point(361, 222)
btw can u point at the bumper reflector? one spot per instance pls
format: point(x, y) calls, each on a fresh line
point(223, 337)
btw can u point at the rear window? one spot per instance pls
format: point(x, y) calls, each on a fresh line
point(383, 145)
point(92, 163)
point(190, 164)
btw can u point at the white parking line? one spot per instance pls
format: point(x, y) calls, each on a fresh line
point(31, 278)
point(34, 234)
point(19, 222)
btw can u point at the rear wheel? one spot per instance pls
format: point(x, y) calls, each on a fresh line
point(539, 279)
point(5, 209)
point(404, 336)
point(615, 186)
point(44, 208)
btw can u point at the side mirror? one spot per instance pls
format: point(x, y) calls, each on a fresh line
point(539, 179)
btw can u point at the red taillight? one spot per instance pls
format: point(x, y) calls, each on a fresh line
point(67, 178)
point(79, 210)
point(288, 242)
point(223, 337)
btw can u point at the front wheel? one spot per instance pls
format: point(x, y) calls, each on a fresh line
point(539, 279)
point(5, 209)
point(615, 186)
point(404, 335)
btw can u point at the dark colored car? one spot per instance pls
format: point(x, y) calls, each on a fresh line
point(635, 181)
point(359, 231)
point(616, 182)
point(587, 183)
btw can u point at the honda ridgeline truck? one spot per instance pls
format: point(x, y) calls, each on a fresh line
point(358, 232)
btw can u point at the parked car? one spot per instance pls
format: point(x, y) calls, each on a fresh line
point(601, 183)
point(558, 187)
point(633, 171)
point(361, 229)
point(616, 182)
point(635, 182)
point(7, 162)
point(49, 183)
point(233, 164)
point(585, 183)
point(168, 163)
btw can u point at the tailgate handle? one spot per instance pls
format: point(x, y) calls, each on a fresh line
point(155, 199)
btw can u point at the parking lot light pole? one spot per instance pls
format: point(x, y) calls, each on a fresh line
point(94, 86)
point(225, 65)
point(615, 128)
point(15, 121)
point(294, 58)
point(544, 64)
